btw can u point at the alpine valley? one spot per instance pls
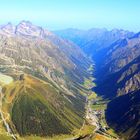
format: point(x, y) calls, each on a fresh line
point(69, 84)
point(116, 56)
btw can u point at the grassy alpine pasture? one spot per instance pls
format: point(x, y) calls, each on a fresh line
point(33, 108)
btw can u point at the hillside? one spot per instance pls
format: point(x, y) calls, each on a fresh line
point(123, 115)
point(124, 81)
point(116, 55)
point(118, 78)
point(47, 96)
point(37, 108)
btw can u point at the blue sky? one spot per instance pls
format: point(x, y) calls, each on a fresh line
point(84, 14)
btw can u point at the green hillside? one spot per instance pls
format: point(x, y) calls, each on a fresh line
point(37, 108)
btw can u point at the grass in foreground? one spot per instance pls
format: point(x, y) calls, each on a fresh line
point(5, 137)
point(58, 137)
point(86, 130)
point(101, 137)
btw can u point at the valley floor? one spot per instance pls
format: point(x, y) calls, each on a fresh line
point(95, 126)
point(95, 116)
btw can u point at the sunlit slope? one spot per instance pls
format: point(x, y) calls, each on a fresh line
point(50, 101)
point(4, 79)
point(37, 108)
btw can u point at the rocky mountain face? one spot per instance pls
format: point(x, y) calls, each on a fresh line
point(122, 72)
point(54, 72)
point(27, 47)
point(122, 82)
point(8, 30)
point(120, 66)
point(116, 54)
point(119, 54)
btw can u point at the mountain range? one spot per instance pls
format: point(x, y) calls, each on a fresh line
point(44, 77)
point(47, 94)
point(116, 55)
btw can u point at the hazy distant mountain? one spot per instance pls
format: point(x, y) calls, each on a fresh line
point(28, 29)
point(47, 100)
point(93, 40)
point(8, 29)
